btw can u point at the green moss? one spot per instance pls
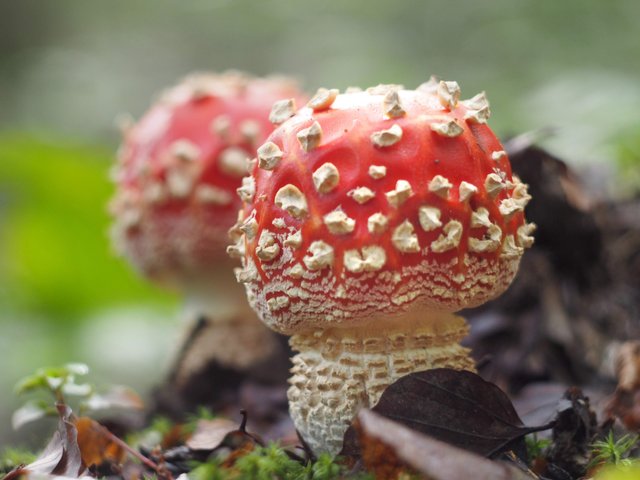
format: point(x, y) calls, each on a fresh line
point(273, 463)
point(267, 463)
point(209, 471)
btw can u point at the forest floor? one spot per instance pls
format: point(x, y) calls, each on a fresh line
point(557, 394)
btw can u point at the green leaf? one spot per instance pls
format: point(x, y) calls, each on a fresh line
point(31, 383)
point(55, 378)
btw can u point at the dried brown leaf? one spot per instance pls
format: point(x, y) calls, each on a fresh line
point(96, 445)
point(457, 407)
point(61, 456)
point(624, 404)
point(209, 434)
point(390, 449)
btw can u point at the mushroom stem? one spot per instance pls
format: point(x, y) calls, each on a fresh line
point(215, 297)
point(341, 370)
point(225, 329)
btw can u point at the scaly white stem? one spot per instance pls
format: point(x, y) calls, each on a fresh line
point(341, 370)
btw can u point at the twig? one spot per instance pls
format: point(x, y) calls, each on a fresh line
point(122, 444)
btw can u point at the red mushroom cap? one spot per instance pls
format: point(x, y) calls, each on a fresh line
point(179, 168)
point(378, 202)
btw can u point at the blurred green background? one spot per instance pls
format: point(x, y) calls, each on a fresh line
point(68, 68)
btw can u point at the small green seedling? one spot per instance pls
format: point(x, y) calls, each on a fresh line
point(614, 452)
point(61, 384)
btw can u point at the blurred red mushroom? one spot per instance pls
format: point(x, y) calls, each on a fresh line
point(370, 218)
point(177, 174)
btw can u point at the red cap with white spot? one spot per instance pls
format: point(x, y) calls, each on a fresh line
point(377, 202)
point(180, 165)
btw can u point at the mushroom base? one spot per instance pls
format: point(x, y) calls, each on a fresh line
point(240, 342)
point(338, 371)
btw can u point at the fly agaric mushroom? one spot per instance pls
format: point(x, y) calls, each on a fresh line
point(177, 174)
point(385, 212)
